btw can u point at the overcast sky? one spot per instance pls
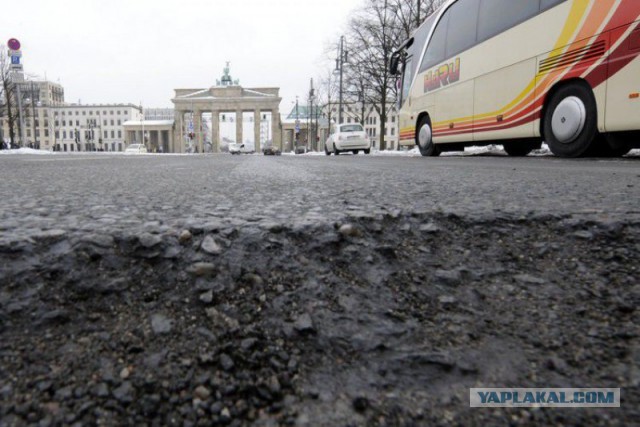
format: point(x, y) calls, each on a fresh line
point(132, 51)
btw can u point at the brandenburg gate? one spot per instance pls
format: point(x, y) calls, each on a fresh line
point(224, 98)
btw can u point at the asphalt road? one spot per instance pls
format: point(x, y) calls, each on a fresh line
point(68, 190)
point(312, 290)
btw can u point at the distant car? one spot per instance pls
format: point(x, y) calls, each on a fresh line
point(271, 151)
point(240, 149)
point(136, 149)
point(347, 137)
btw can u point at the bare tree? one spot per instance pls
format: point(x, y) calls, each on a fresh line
point(411, 13)
point(373, 36)
point(8, 94)
point(374, 33)
point(326, 93)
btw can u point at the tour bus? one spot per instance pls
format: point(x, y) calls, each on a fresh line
point(519, 72)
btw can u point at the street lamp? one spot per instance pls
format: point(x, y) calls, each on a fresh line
point(340, 61)
point(312, 96)
point(297, 127)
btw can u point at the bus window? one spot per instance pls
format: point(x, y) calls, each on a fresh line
point(461, 34)
point(497, 16)
point(547, 4)
point(407, 78)
point(436, 50)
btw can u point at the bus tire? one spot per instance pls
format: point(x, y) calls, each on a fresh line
point(424, 139)
point(519, 148)
point(571, 121)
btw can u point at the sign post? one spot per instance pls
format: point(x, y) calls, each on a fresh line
point(16, 77)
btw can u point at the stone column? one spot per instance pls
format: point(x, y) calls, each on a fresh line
point(239, 127)
point(275, 129)
point(183, 132)
point(256, 129)
point(159, 139)
point(215, 131)
point(197, 128)
point(176, 147)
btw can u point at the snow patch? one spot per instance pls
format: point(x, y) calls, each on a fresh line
point(25, 151)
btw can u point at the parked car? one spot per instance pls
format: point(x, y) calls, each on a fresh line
point(235, 148)
point(271, 151)
point(136, 149)
point(347, 137)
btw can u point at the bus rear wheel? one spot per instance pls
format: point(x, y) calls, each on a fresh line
point(424, 139)
point(571, 121)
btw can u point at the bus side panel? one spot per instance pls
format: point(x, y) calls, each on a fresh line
point(583, 60)
point(452, 103)
point(407, 125)
point(495, 90)
point(622, 106)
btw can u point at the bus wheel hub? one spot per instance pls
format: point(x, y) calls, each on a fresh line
point(424, 137)
point(569, 119)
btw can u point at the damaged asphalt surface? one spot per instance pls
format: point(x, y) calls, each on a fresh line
point(220, 290)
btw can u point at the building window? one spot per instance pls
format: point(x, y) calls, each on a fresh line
point(119, 122)
point(113, 134)
point(46, 132)
point(84, 113)
point(119, 134)
point(106, 134)
point(64, 134)
point(118, 112)
point(393, 131)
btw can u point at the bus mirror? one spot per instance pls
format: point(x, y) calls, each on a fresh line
point(393, 65)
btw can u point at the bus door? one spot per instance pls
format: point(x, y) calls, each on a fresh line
point(445, 78)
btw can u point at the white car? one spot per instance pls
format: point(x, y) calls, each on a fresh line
point(347, 137)
point(136, 149)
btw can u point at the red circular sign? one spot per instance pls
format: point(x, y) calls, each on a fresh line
point(13, 44)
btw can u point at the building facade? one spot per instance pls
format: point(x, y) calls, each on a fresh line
point(92, 127)
point(51, 124)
